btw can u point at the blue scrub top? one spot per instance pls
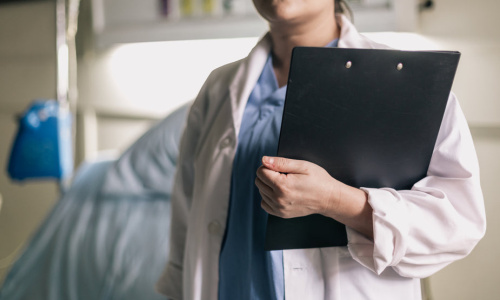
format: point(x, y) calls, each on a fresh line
point(246, 271)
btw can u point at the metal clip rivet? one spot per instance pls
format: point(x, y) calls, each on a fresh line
point(399, 67)
point(348, 64)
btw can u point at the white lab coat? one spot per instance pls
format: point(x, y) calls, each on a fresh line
point(416, 232)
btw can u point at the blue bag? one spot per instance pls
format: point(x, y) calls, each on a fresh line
point(43, 146)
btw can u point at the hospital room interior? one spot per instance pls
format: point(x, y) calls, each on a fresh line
point(85, 198)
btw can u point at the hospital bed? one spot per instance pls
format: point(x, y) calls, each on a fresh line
point(107, 237)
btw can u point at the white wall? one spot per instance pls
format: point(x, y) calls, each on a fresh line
point(472, 27)
point(27, 71)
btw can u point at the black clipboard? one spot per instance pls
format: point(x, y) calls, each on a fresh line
point(369, 117)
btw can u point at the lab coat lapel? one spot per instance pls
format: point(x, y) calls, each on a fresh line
point(246, 77)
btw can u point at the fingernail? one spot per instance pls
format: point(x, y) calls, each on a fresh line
point(268, 160)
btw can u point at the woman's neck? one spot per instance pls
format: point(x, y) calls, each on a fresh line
point(287, 36)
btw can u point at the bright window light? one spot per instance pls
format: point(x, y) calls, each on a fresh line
point(157, 77)
point(404, 40)
point(163, 75)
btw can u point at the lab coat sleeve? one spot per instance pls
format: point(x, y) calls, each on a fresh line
point(170, 282)
point(417, 232)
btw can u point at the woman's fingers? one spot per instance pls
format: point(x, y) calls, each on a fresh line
point(286, 165)
point(292, 188)
point(268, 177)
point(267, 205)
point(264, 189)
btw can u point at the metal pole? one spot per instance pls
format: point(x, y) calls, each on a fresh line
point(62, 54)
point(66, 27)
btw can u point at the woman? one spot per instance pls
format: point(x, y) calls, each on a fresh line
point(222, 193)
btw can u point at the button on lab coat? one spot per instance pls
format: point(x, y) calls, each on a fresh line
point(416, 232)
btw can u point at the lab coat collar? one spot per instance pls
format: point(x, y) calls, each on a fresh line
point(351, 38)
point(246, 77)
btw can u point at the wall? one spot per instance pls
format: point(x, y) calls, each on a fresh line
point(472, 28)
point(27, 72)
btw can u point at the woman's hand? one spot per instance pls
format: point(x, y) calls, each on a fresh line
point(295, 188)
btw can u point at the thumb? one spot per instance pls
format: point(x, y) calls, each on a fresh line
point(285, 165)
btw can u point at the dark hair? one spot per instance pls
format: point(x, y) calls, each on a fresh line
point(341, 7)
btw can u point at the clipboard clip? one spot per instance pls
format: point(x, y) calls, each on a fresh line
point(348, 65)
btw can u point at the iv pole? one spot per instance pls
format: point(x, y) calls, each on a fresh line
point(67, 94)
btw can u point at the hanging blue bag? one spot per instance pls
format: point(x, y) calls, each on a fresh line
point(43, 146)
